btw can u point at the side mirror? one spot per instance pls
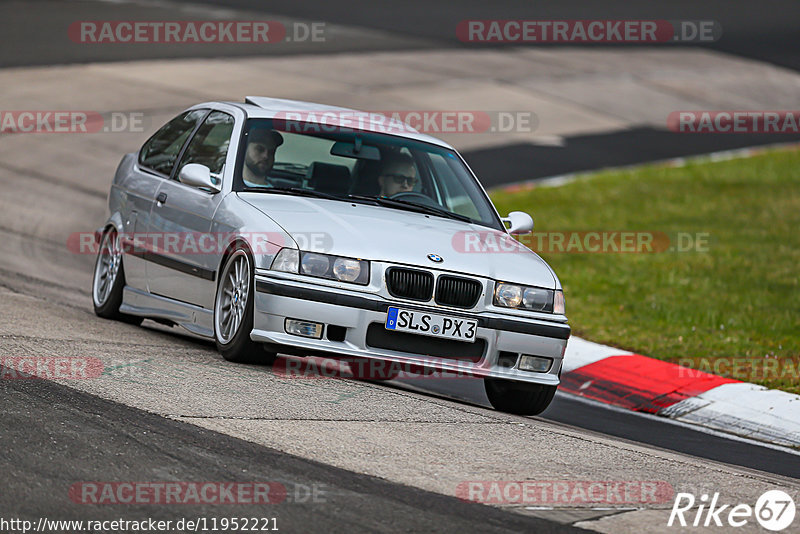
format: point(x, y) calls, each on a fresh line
point(518, 222)
point(198, 176)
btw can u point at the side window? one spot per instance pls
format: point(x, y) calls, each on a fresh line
point(456, 196)
point(160, 151)
point(209, 146)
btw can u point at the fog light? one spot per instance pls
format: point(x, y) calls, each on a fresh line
point(303, 328)
point(536, 364)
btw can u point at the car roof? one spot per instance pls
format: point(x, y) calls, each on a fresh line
point(261, 107)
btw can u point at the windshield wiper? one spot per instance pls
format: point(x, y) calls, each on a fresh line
point(413, 206)
point(299, 191)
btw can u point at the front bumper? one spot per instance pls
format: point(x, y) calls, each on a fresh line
point(277, 299)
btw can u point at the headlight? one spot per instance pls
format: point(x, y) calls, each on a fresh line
point(528, 298)
point(287, 260)
point(507, 295)
point(535, 298)
point(346, 269)
point(322, 266)
point(314, 264)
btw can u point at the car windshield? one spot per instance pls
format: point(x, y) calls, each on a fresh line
point(357, 166)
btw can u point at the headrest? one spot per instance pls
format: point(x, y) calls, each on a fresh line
point(329, 178)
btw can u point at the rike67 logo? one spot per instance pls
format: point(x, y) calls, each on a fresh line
point(774, 511)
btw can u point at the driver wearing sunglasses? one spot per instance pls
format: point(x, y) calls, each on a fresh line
point(398, 176)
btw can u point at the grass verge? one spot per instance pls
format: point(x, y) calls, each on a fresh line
point(729, 305)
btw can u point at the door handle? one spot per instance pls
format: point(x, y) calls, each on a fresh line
point(161, 198)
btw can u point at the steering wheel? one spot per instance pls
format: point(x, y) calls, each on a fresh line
point(414, 196)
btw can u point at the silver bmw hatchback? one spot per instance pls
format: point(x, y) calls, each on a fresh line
point(277, 226)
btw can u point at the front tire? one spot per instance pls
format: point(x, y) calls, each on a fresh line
point(109, 280)
point(233, 312)
point(521, 398)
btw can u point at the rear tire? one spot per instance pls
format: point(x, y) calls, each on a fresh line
point(109, 280)
point(521, 398)
point(233, 312)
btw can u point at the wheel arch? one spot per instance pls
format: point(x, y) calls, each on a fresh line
point(237, 243)
point(115, 222)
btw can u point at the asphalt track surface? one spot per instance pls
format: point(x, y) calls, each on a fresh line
point(47, 427)
point(765, 30)
point(499, 166)
point(34, 31)
point(644, 428)
point(53, 435)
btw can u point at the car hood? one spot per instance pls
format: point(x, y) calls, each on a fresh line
point(386, 234)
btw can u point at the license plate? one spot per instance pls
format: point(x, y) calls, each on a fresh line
point(430, 324)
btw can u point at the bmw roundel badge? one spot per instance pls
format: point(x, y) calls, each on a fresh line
point(435, 258)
